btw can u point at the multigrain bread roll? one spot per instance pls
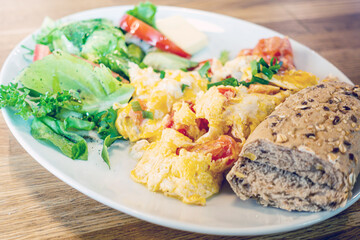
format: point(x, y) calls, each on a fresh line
point(305, 155)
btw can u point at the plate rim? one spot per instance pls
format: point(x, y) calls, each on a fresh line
point(163, 221)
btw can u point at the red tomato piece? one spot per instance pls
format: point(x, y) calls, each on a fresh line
point(273, 47)
point(246, 52)
point(227, 92)
point(41, 51)
point(137, 116)
point(151, 35)
point(223, 147)
point(203, 124)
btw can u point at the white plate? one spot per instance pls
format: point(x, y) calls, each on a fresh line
point(224, 214)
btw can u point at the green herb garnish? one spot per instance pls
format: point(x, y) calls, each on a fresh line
point(261, 66)
point(254, 67)
point(135, 105)
point(262, 62)
point(148, 115)
point(183, 86)
point(253, 81)
point(226, 82)
point(162, 74)
point(224, 57)
point(204, 69)
point(26, 105)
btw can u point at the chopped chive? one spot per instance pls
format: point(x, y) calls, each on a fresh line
point(148, 115)
point(254, 67)
point(260, 80)
point(227, 82)
point(183, 86)
point(207, 77)
point(204, 69)
point(262, 62)
point(267, 72)
point(162, 74)
point(135, 105)
point(272, 61)
point(274, 68)
point(224, 57)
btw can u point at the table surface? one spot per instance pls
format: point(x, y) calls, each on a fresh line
point(34, 204)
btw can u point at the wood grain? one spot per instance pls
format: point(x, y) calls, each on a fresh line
point(34, 204)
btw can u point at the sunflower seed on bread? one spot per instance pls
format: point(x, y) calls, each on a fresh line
point(316, 167)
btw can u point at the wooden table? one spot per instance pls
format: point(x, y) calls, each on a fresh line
point(34, 204)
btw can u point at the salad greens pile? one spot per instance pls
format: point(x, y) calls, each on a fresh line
point(96, 87)
point(96, 40)
point(67, 96)
point(79, 71)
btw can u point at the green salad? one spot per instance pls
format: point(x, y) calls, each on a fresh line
point(79, 70)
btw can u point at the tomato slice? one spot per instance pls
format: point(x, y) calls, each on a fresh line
point(151, 35)
point(41, 51)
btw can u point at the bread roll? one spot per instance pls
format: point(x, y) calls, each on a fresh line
point(305, 155)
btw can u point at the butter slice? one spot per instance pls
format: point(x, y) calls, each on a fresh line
point(182, 33)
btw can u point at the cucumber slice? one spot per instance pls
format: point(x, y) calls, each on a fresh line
point(167, 61)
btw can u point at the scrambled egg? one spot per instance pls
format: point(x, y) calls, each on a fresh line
point(188, 160)
point(294, 80)
point(238, 68)
point(186, 175)
point(196, 133)
point(235, 111)
point(157, 96)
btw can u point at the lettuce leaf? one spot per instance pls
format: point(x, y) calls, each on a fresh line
point(60, 71)
point(100, 43)
point(145, 12)
point(90, 39)
point(105, 121)
point(78, 124)
point(53, 131)
point(107, 143)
